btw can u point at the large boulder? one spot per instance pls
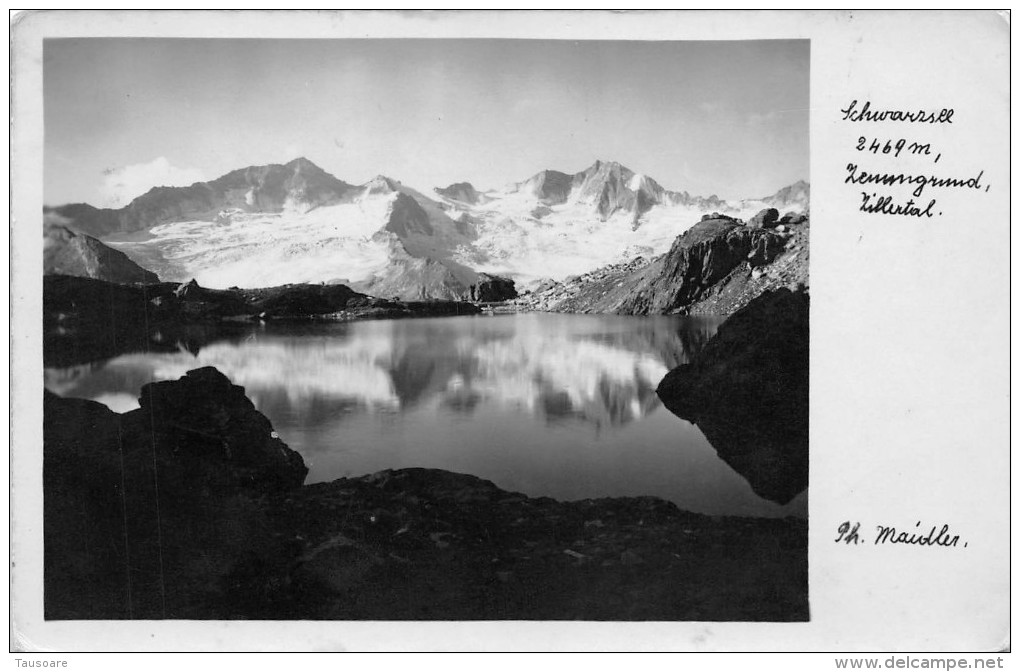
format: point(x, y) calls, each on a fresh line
point(766, 219)
point(793, 218)
point(204, 417)
point(155, 513)
point(200, 432)
point(188, 291)
point(493, 288)
point(748, 392)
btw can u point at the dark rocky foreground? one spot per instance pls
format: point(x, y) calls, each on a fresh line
point(747, 390)
point(86, 319)
point(190, 507)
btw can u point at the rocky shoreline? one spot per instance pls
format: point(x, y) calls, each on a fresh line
point(192, 507)
point(85, 319)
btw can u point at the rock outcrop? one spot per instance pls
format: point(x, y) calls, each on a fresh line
point(699, 259)
point(492, 288)
point(205, 418)
point(68, 253)
point(200, 424)
point(765, 219)
point(716, 267)
point(190, 507)
point(747, 390)
point(149, 512)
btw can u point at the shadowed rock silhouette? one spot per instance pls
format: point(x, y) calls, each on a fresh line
point(747, 391)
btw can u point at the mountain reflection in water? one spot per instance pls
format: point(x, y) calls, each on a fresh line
point(556, 405)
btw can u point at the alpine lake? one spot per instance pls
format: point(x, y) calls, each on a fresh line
point(550, 405)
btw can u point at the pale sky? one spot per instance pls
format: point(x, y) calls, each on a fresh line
point(123, 115)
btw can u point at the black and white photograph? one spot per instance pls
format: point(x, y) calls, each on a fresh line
point(467, 330)
point(426, 329)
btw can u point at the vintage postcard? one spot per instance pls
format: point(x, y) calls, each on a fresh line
point(524, 330)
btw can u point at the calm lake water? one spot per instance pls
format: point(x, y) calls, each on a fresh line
point(550, 405)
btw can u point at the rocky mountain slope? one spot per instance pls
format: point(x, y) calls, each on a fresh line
point(68, 253)
point(716, 267)
point(292, 223)
point(796, 197)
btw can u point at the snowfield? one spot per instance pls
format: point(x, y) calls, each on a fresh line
point(567, 241)
point(339, 242)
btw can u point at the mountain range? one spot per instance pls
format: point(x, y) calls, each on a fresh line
point(290, 223)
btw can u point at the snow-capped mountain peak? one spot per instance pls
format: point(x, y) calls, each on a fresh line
point(380, 184)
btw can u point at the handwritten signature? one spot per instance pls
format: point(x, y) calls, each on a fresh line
point(850, 533)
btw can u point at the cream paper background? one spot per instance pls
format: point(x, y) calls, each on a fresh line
point(909, 343)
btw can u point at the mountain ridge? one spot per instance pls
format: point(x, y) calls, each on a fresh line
point(608, 185)
point(264, 188)
point(295, 222)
